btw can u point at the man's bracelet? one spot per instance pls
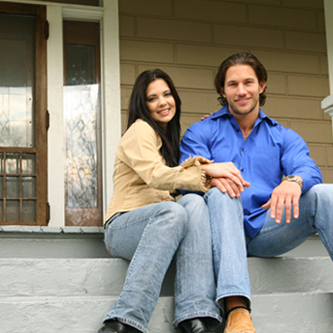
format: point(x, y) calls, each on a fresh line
point(293, 178)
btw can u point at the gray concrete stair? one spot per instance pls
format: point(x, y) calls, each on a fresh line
point(50, 291)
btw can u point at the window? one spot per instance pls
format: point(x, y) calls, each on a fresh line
point(83, 173)
point(23, 115)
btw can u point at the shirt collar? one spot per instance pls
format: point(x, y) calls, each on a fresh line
point(224, 112)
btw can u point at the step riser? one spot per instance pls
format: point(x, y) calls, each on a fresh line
point(271, 313)
point(105, 277)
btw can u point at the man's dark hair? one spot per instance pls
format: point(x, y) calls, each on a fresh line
point(243, 58)
point(138, 110)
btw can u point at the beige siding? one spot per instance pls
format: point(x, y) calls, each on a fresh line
point(189, 39)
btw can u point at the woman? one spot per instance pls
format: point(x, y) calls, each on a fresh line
point(144, 224)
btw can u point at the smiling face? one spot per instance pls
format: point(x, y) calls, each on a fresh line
point(160, 102)
point(242, 90)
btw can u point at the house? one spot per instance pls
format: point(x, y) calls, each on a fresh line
point(66, 73)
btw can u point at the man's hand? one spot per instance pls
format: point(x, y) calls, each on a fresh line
point(285, 195)
point(226, 177)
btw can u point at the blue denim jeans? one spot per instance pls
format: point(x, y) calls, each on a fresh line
point(150, 237)
point(231, 245)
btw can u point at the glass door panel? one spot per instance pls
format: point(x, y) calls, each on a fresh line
point(18, 40)
point(17, 67)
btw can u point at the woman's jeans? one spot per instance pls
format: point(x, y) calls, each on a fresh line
point(150, 237)
point(231, 246)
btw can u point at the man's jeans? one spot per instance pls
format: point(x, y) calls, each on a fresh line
point(150, 237)
point(231, 246)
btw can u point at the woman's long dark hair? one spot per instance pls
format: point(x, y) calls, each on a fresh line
point(138, 110)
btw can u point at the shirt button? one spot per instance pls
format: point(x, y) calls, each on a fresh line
point(243, 149)
point(242, 170)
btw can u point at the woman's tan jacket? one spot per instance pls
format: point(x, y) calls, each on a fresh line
point(141, 177)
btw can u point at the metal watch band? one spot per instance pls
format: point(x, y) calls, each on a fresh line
point(293, 178)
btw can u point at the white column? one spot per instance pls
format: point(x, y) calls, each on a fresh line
point(328, 7)
point(55, 82)
point(327, 103)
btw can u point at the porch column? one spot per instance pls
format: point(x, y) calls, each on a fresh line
point(327, 103)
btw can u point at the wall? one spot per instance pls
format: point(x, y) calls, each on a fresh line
point(189, 39)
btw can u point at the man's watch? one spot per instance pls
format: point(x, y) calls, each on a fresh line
point(293, 178)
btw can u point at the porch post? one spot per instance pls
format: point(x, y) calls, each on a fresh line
point(327, 103)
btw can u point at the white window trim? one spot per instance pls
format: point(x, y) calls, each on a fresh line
point(110, 96)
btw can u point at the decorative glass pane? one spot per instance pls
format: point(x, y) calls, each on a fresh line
point(13, 211)
point(81, 106)
point(12, 187)
point(28, 164)
point(28, 210)
point(28, 187)
point(17, 79)
point(12, 163)
point(83, 192)
point(80, 65)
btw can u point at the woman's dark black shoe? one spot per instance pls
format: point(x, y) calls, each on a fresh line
point(200, 325)
point(114, 326)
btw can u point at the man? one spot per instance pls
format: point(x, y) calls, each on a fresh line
point(281, 207)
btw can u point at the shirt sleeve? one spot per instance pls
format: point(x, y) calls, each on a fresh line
point(139, 149)
point(295, 160)
point(194, 142)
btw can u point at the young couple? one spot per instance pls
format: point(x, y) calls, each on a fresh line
point(209, 236)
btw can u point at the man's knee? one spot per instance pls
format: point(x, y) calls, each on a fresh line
point(321, 193)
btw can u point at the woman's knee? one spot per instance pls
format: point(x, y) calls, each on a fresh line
point(217, 197)
point(171, 213)
point(192, 201)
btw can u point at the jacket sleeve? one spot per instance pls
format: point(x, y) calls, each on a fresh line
point(139, 149)
point(295, 160)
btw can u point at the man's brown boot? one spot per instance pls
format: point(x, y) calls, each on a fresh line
point(239, 321)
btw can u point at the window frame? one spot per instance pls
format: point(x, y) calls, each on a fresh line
point(110, 96)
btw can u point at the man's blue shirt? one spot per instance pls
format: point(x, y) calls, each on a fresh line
point(269, 152)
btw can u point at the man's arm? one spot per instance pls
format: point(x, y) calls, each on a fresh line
point(295, 160)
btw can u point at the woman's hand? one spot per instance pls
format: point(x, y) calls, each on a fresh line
point(206, 116)
point(226, 177)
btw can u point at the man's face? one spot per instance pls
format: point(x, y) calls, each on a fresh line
point(242, 89)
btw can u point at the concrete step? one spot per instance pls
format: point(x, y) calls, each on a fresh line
point(73, 295)
point(105, 277)
point(87, 242)
point(63, 280)
point(52, 242)
point(274, 313)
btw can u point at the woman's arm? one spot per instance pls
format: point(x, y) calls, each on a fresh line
point(139, 149)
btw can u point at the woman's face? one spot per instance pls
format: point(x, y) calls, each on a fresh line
point(160, 102)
